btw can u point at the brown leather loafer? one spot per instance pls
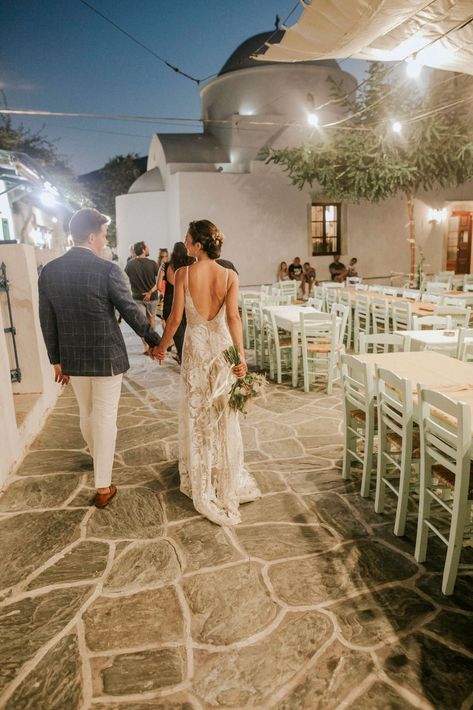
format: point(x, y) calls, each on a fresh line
point(101, 500)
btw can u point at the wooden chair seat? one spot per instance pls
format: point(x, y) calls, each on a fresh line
point(396, 441)
point(448, 477)
point(322, 347)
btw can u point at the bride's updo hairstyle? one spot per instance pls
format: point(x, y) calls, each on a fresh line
point(208, 235)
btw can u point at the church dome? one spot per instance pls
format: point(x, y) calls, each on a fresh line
point(241, 57)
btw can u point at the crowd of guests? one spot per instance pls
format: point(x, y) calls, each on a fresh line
point(306, 275)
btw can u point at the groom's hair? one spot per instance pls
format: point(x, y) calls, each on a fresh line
point(139, 248)
point(86, 221)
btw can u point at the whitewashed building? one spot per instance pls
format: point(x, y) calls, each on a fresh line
point(219, 175)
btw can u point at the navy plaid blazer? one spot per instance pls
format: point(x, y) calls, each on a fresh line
point(78, 295)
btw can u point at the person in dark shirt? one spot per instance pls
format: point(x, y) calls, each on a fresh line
point(179, 258)
point(337, 269)
point(295, 270)
point(143, 275)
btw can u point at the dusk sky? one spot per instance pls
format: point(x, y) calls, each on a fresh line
point(58, 55)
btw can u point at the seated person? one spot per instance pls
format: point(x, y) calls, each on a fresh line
point(337, 269)
point(295, 270)
point(352, 267)
point(308, 280)
point(283, 274)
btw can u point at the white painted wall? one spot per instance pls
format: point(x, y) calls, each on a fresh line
point(37, 373)
point(142, 216)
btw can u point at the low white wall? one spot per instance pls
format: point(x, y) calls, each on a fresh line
point(37, 375)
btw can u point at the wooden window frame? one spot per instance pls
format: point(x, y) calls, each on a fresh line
point(325, 237)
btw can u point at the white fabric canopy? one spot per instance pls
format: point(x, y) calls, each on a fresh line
point(439, 31)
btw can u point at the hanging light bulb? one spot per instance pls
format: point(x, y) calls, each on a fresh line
point(413, 67)
point(396, 126)
point(312, 119)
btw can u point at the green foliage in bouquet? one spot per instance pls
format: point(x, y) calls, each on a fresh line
point(251, 385)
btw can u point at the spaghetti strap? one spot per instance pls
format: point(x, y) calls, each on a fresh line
point(226, 282)
point(187, 278)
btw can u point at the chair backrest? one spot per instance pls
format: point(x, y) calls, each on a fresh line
point(376, 288)
point(316, 303)
point(341, 311)
point(437, 286)
point(401, 312)
point(460, 316)
point(395, 402)
point(465, 337)
point(358, 386)
point(362, 305)
point(331, 296)
point(467, 281)
point(288, 288)
point(390, 290)
point(270, 300)
point(345, 297)
point(380, 315)
point(431, 298)
point(257, 313)
point(318, 328)
point(468, 286)
point(265, 290)
point(431, 322)
point(410, 294)
point(381, 342)
point(444, 277)
point(445, 432)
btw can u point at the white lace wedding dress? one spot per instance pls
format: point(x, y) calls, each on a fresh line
point(210, 444)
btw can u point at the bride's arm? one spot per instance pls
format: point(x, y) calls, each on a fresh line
point(175, 317)
point(234, 323)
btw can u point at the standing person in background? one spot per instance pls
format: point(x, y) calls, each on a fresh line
point(78, 295)
point(143, 275)
point(282, 274)
point(132, 253)
point(179, 257)
point(295, 270)
point(163, 256)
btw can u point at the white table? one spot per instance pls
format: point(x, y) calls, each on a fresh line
point(288, 318)
point(432, 339)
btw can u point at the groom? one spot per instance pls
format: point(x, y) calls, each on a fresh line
point(78, 295)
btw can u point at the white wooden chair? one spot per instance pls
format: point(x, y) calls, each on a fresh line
point(361, 318)
point(467, 282)
point(382, 342)
point(320, 348)
point(288, 288)
point(445, 440)
point(390, 290)
point(345, 298)
point(316, 303)
point(465, 338)
point(331, 295)
point(444, 277)
point(247, 301)
point(459, 316)
point(401, 313)
point(359, 419)
point(431, 298)
point(380, 315)
point(342, 312)
point(431, 323)
point(279, 347)
point(376, 288)
point(398, 443)
point(437, 287)
point(410, 294)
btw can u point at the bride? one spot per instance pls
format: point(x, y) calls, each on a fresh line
point(210, 445)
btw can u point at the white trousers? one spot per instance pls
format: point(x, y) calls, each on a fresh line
point(98, 399)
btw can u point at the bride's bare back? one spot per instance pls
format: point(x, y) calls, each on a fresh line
point(208, 286)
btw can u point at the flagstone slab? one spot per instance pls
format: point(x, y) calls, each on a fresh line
point(275, 508)
point(374, 617)
point(332, 509)
point(154, 452)
point(55, 683)
point(148, 617)
point(381, 695)
point(228, 605)
point(269, 482)
point(202, 544)
point(30, 539)
point(282, 448)
point(273, 430)
point(326, 685)
point(178, 506)
point(462, 597)
point(254, 455)
point(37, 463)
point(26, 625)
point(87, 560)
point(453, 629)
point(289, 466)
point(318, 481)
point(36, 492)
point(323, 423)
point(133, 513)
point(179, 701)
point(271, 542)
point(338, 573)
point(168, 473)
point(246, 677)
point(143, 564)
point(278, 402)
point(64, 434)
point(141, 672)
point(144, 435)
point(248, 434)
point(429, 668)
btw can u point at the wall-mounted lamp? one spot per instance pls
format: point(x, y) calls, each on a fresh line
point(435, 216)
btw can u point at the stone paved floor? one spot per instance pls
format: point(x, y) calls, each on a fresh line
point(310, 603)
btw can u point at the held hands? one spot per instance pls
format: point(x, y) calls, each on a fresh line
point(147, 296)
point(240, 370)
point(59, 377)
point(157, 353)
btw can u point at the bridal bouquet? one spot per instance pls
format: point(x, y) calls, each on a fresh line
point(244, 388)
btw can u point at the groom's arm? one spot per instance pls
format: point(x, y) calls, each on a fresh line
point(120, 296)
